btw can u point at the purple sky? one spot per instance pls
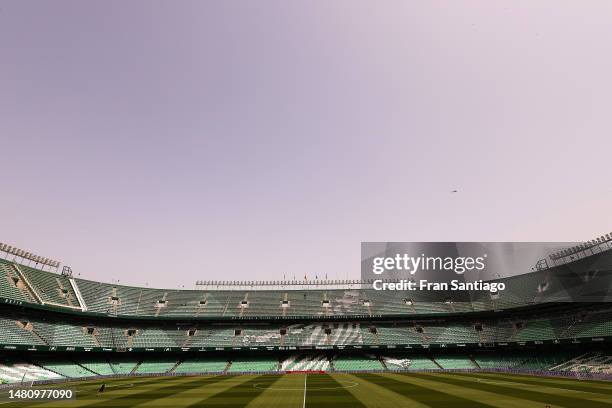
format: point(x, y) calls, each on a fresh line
point(165, 142)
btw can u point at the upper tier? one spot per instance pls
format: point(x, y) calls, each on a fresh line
point(586, 279)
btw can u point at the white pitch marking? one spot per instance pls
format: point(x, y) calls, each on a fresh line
point(350, 384)
point(305, 378)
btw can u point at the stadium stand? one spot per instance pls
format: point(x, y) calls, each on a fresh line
point(26, 284)
point(409, 363)
point(305, 362)
point(123, 366)
point(587, 363)
point(157, 366)
point(96, 366)
point(253, 364)
point(15, 372)
point(506, 361)
point(12, 286)
point(545, 361)
point(18, 332)
point(356, 363)
point(76, 332)
point(52, 288)
point(211, 365)
point(455, 362)
point(65, 368)
point(53, 326)
point(52, 367)
point(535, 330)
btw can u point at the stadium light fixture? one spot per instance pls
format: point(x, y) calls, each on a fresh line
point(26, 255)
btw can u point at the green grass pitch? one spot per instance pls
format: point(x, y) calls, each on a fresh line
point(382, 390)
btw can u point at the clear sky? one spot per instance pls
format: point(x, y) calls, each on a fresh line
point(164, 142)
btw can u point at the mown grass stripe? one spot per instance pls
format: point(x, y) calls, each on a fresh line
point(421, 394)
point(195, 395)
point(496, 400)
point(87, 392)
point(601, 384)
point(286, 392)
point(325, 391)
point(142, 392)
point(593, 382)
point(543, 382)
point(375, 396)
point(170, 387)
point(515, 392)
point(239, 395)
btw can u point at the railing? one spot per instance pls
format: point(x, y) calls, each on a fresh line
point(284, 285)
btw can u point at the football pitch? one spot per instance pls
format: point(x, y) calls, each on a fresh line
point(338, 390)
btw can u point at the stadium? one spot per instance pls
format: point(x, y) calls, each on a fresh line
point(305, 204)
point(319, 343)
